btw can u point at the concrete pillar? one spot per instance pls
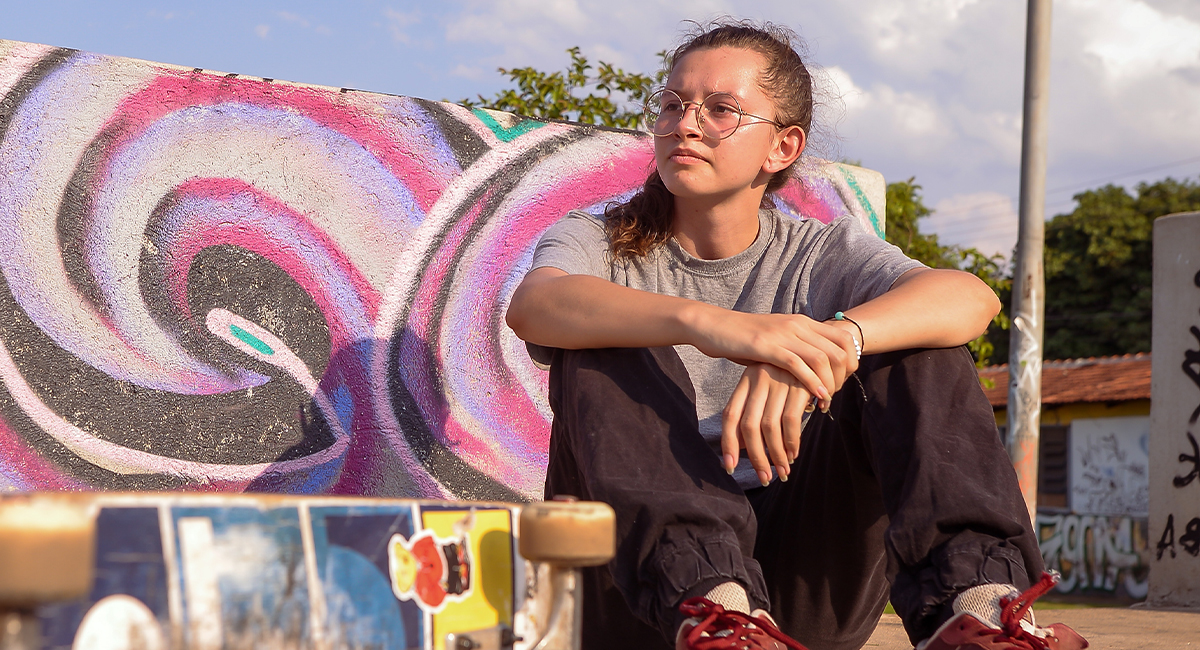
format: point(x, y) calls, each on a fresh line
point(1175, 414)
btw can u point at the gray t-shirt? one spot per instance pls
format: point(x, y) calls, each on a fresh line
point(793, 266)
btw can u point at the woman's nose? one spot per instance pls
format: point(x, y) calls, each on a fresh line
point(692, 128)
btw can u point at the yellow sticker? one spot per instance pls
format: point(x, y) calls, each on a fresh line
point(488, 544)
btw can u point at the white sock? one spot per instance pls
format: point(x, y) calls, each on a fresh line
point(731, 596)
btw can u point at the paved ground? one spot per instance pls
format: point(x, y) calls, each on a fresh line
point(1105, 628)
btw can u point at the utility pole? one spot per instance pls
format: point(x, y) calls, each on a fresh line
point(1028, 307)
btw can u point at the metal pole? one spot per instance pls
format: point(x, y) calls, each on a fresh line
point(1028, 308)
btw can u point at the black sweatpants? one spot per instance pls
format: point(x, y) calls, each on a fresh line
point(903, 490)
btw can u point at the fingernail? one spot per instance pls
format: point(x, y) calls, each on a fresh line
point(810, 407)
point(730, 464)
point(824, 392)
point(782, 474)
point(764, 478)
point(825, 407)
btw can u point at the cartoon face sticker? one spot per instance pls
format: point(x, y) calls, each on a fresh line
point(429, 569)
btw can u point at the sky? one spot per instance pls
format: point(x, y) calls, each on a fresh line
point(924, 89)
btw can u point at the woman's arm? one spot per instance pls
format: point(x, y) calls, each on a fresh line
point(553, 308)
point(928, 308)
point(925, 308)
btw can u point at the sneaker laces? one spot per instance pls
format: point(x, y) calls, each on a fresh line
point(1014, 610)
point(722, 629)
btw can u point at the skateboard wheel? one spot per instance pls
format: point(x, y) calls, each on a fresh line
point(47, 546)
point(579, 533)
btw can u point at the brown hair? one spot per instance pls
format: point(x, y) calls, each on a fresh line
point(644, 221)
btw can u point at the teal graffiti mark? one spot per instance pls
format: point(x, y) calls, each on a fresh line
point(862, 200)
point(506, 134)
point(251, 340)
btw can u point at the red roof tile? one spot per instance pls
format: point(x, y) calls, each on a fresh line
point(1096, 379)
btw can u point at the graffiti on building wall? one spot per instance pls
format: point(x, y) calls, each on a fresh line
point(1189, 533)
point(1096, 553)
point(1110, 465)
point(217, 282)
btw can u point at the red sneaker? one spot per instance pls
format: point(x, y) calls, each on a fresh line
point(997, 617)
point(712, 627)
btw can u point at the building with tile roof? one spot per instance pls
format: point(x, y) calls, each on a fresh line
point(1093, 480)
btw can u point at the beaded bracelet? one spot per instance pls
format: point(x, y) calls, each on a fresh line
point(858, 347)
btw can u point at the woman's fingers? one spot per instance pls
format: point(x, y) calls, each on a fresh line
point(731, 442)
point(794, 408)
point(750, 424)
point(764, 416)
point(772, 424)
point(804, 374)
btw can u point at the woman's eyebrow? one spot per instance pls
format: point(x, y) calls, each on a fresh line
point(706, 93)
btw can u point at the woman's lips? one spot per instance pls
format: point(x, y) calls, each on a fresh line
point(687, 157)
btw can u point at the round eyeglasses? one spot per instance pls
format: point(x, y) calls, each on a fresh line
point(718, 116)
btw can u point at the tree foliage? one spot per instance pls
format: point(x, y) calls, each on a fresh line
point(609, 97)
point(905, 209)
point(1098, 268)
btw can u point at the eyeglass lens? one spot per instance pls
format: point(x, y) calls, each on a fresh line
point(719, 114)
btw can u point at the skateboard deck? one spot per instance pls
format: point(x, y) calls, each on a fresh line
point(207, 572)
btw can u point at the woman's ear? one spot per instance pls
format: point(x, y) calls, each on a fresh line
point(789, 144)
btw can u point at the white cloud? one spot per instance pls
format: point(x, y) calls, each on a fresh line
point(295, 19)
point(262, 30)
point(924, 88)
point(984, 220)
point(626, 33)
point(302, 22)
point(1132, 39)
point(467, 71)
point(398, 23)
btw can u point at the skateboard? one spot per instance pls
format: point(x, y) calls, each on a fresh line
point(178, 571)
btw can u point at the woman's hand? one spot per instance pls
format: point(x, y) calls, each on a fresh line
point(818, 355)
point(764, 416)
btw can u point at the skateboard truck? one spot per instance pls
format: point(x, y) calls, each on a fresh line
point(47, 545)
point(557, 538)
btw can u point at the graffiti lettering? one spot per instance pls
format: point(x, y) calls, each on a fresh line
point(1167, 541)
point(1191, 368)
point(1190, 539)
point(1194, 459)
point(1096, 552)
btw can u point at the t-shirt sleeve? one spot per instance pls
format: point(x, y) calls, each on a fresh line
point(575, 244)
point(853, 265)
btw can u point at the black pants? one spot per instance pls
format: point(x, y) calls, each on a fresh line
point(903, 490)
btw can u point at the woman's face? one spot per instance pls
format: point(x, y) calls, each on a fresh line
point(693, 165)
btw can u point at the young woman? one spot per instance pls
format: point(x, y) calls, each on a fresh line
point(696, 319)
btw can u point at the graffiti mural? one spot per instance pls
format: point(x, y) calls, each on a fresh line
point(1110, 466)
point(1096, 554)
point(215, 282)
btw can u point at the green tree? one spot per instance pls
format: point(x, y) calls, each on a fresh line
point(1098, 268)
point(575, 94)
point(905, 209)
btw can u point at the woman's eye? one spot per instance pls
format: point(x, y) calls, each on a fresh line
point(672, 107)
point(723, 110)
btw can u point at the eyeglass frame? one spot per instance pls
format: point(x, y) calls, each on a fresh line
point(699, 115)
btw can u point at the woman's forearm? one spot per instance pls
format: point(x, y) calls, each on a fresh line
point(926, 308)
point(577, 311)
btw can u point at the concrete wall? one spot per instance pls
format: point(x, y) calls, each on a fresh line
point(217, 282)
point(1175, 414)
